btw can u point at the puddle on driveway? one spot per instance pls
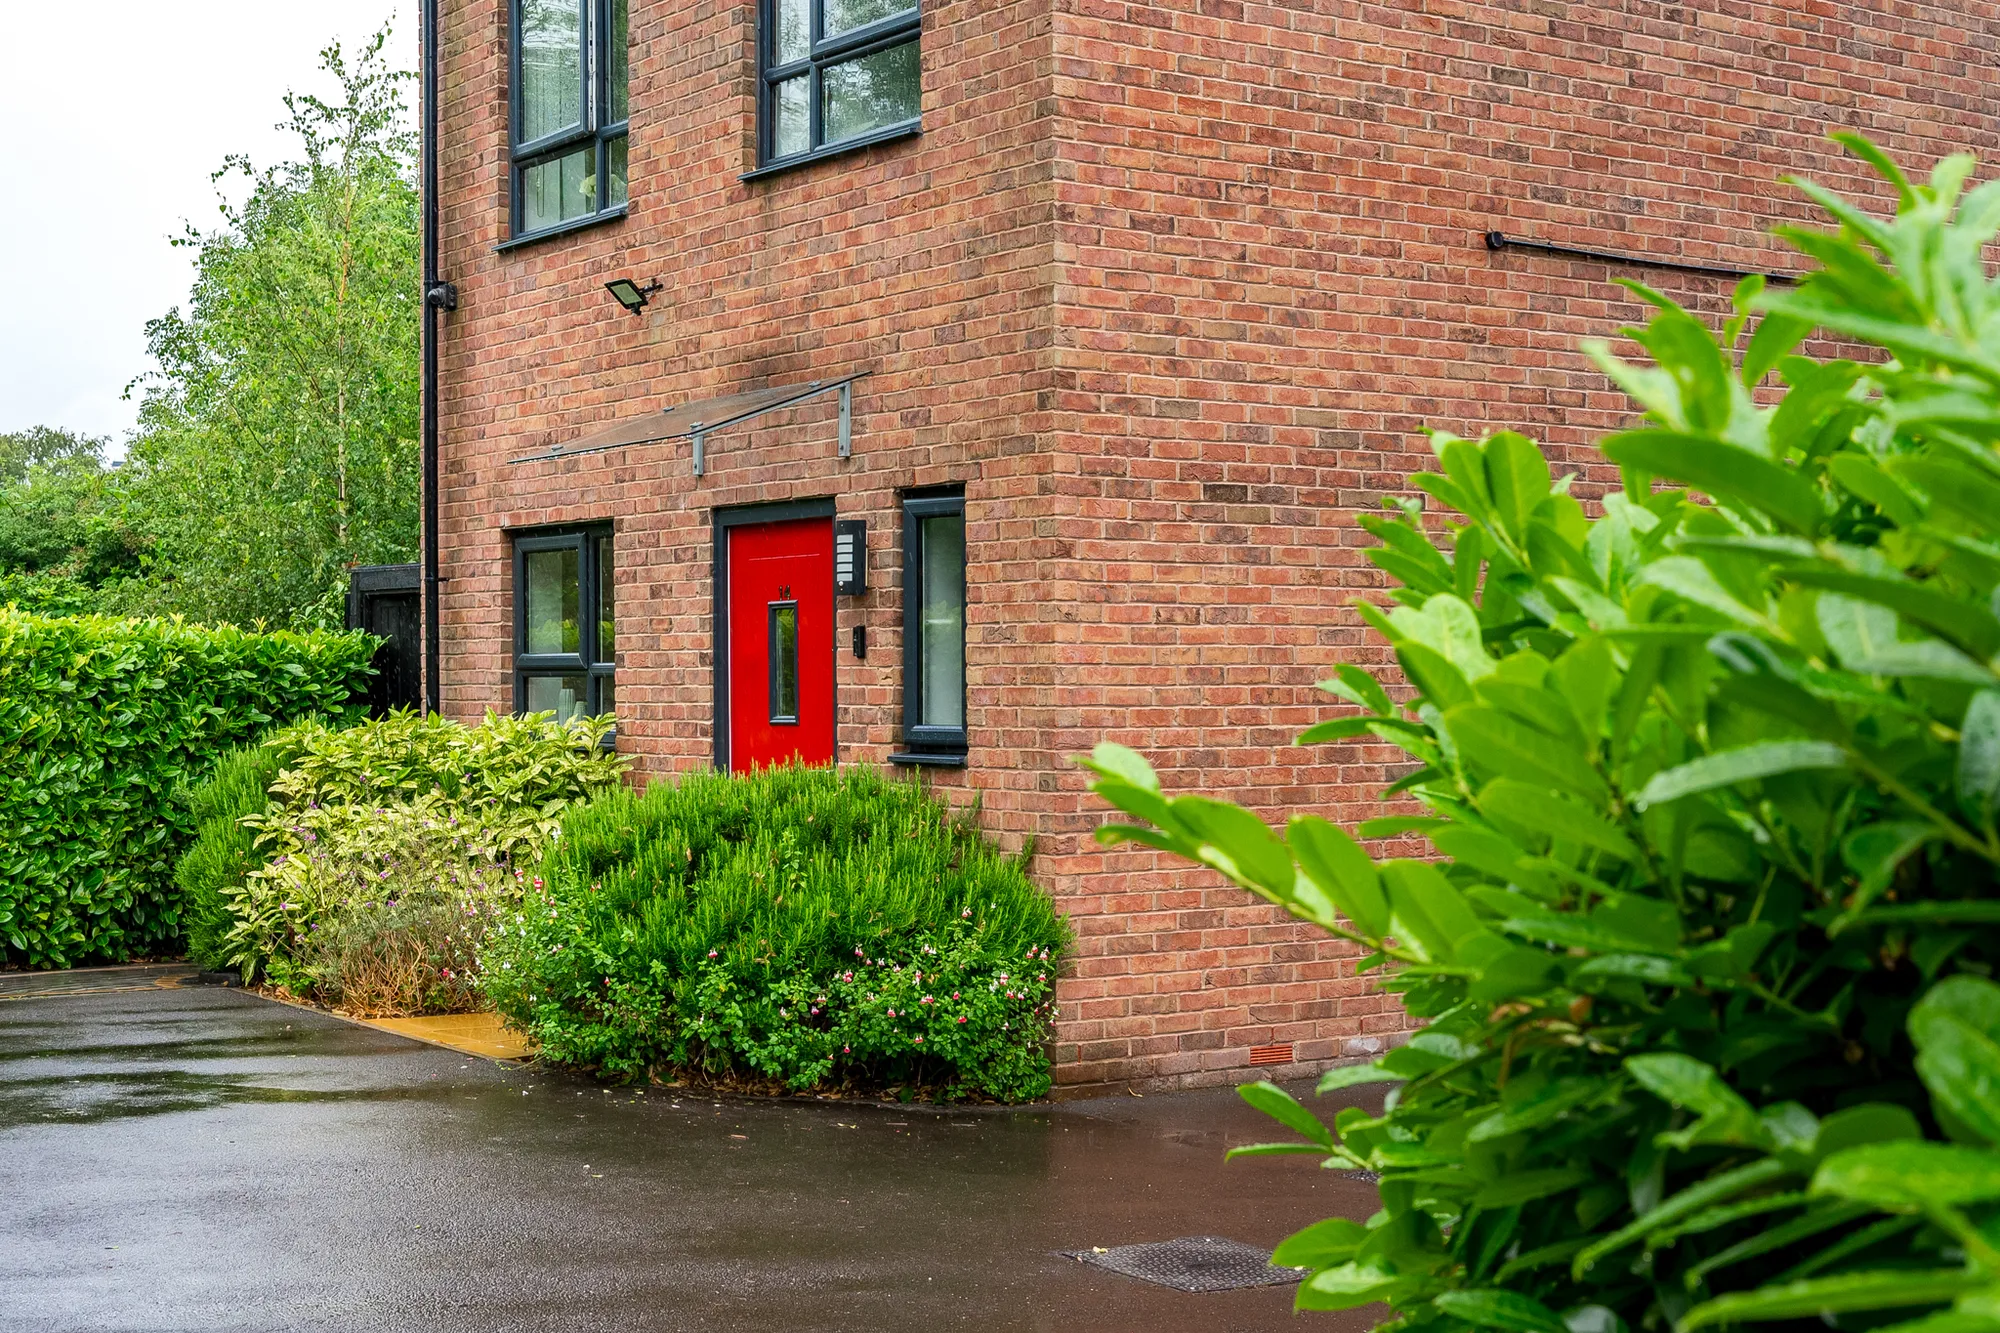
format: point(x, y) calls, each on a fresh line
point(202, 1159)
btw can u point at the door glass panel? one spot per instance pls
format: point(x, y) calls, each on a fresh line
point(606, 627)
point(790, 130)
point(552, 595)
point(551, 66)
point(618, 67)
point(784, 662)
point(793, 39)
point(565, 696)
point(941, 621)
point(846, 15)
point(870, 93)
point(559, 189)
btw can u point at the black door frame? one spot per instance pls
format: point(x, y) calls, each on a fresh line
point(740, 516)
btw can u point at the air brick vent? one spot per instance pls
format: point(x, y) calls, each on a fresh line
point(1271, 1055)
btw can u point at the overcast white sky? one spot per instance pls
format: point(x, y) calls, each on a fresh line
point(112, 132)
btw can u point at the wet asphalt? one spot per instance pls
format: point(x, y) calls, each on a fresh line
point(195, 1158)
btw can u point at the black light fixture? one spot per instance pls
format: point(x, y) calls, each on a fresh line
point(630, 294)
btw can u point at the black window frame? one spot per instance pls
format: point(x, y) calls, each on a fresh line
point(823, 53)
point(585, 661)
point(925, 744)
point(592, 126)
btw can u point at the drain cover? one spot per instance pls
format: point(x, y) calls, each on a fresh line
point(1193, 1263)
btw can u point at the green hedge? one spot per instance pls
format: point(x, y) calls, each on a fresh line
point(808, 926)
point(101, 722)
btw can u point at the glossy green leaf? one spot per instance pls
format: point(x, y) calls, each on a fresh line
point(1275, 1102)
point(1821, 1297)
point(1956, 1028)
point(1501, 1309)
point(1747, 763)
point(1504, 747)
point(1905, 1176)
point(1343, 870)
point(1320, 1245)
point(1723, 470)
point(1978, 777)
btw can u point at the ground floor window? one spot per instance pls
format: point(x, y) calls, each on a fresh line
point(564, 627)
point(934, 623)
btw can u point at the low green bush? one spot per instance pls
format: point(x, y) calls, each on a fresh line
point(1714, 785)
point(223, 851)
point(409, 809)
point(808, 926)
point(101, 723)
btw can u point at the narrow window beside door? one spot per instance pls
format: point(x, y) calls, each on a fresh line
point(565, 643)
point(784, 640)
point(934, 626)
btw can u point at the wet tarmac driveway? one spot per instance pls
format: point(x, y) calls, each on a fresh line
point(202, 1159)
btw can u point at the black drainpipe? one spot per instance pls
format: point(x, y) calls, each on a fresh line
point(439, 296)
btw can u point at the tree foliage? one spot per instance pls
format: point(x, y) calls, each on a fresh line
point(277, 439)
point(63, 534)
point(1713, 782)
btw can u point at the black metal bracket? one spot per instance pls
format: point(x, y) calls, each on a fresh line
point(1500, 240)
point(443, 296)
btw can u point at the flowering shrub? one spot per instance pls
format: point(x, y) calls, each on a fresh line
point(376, 855)
point(415, 954)
point(304, 918)
point(809, 926)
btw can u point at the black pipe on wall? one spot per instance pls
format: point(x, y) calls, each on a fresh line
point(439, 297)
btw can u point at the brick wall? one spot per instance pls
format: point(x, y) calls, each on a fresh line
point(1171, 289)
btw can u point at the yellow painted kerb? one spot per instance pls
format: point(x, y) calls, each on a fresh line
point(472, 1034)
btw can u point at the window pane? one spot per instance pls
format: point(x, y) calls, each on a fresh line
point(565, 696)
point(793, 39)
point(869, 93)
point(607, 700)
point(941, 620)
point(558, 190)
point(844, 15)
point(615, 150)
point(617, 65)
point(606, 639)
point(790, 132)
point(784, 662)
point(551, 66)
point(552, 601)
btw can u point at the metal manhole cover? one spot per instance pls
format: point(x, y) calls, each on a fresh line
point(1193, 1263)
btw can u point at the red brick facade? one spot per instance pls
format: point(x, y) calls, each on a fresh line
point(1170, 290)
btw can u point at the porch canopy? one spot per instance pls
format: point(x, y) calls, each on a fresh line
point(698, 420)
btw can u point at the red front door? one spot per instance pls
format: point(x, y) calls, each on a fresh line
point(780, 642)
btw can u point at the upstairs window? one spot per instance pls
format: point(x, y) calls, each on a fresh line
point(565, 641)
point(837, 74)
point(569, 112)
point(934, 626)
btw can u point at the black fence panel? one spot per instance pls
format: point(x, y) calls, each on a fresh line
point(382, 599)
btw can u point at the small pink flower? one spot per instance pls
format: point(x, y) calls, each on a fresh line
point(961, 1018)
point(918, 1040)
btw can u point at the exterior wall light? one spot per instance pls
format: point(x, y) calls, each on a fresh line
point(630, 294)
